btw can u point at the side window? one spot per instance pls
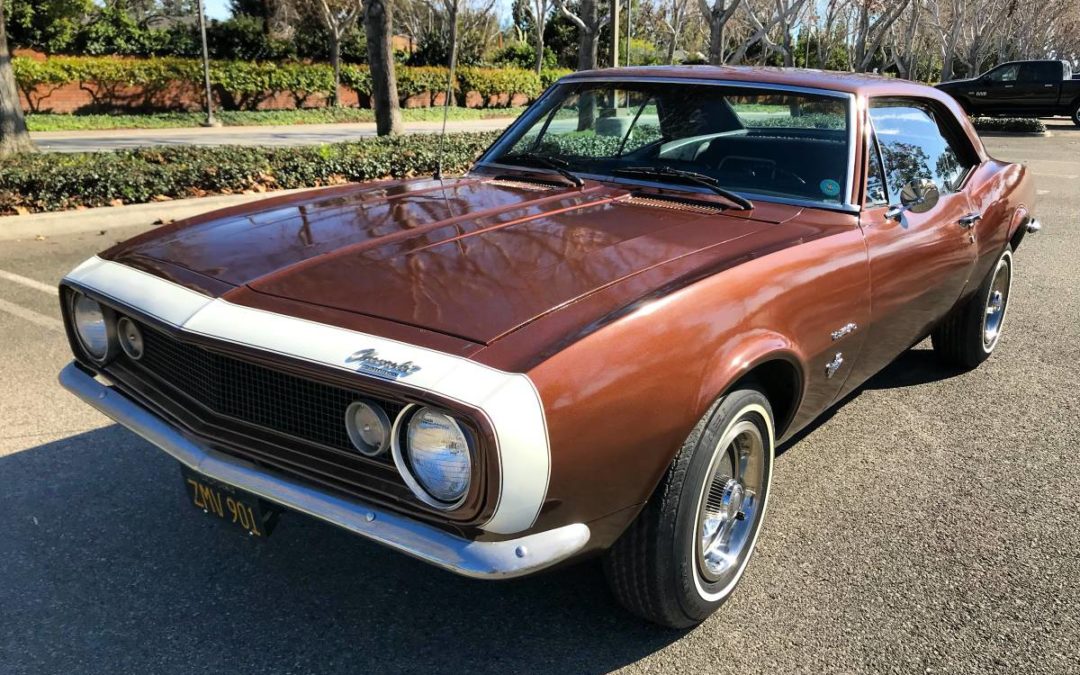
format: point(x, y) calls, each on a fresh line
point(1005, 73)
point(1040, 72)
point(876, 194)
point(914, 145)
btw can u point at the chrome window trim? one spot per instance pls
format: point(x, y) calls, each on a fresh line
point(951, 136)
point(848, 205)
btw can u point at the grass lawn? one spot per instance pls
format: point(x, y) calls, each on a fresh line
point(244, 118)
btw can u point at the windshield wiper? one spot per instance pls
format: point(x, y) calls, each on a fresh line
point(669, 174)
point(559, 166)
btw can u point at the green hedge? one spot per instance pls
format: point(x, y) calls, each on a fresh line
point(1008, 124)
point(242, 83)
point(53, 181)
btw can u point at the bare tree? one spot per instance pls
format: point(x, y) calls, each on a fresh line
point(13, 135)
point(589, 23)
point(378, 27)
point(673, 22)
point(872, 25)
point(339, 17)
point(539, 10)
point(717, 15)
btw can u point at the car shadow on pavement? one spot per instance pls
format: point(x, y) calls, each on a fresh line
point(107, 568)
point(914, 367)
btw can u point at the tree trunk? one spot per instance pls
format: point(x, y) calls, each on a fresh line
point(716, 37)
point(587, 58)
point(13, 135)
point(614, 23)
point(453, 16)
point(335, 61)
point(587, 37)
point(539, 37)
point(378, 19)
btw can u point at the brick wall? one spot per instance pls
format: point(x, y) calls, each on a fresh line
point(184, 96)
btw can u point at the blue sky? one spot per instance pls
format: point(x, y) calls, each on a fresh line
point(217, 9)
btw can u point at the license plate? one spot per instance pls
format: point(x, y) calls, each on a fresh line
point(235, 507)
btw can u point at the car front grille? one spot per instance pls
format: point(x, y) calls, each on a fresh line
point(283, 403)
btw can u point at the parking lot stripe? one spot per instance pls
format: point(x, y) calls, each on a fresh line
point(28, 282)
point(31, 316)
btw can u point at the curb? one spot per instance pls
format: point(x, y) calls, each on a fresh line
point(1014, 134)
point(113, 217)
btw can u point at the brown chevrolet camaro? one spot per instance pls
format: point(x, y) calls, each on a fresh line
point(591, 344)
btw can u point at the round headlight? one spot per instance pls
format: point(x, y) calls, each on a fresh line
point(438, 456)
point(90, 327)
point(368, 428)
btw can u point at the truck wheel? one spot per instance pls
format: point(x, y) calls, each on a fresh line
point(684, 554)
point(969, 334)
point(1075, 114)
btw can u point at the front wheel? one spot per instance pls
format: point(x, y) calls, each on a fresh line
point(1075, 114)
point(683, 556)
point(971, 331)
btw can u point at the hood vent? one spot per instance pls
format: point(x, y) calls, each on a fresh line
point(523, 184)
point(672, 204)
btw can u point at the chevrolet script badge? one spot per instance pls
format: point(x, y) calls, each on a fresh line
point(368, 361)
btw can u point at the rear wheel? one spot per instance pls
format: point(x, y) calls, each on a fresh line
point(969, 334)
point(683, 556)
point(1075, 114)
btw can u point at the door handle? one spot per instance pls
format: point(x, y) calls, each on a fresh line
point(1048, 85)
point(967, 222)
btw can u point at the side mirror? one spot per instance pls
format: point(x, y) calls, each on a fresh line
point(917, 196)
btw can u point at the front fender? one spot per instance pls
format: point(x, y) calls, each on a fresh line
point(740, 357)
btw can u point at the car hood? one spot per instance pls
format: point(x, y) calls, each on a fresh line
point(474, 258)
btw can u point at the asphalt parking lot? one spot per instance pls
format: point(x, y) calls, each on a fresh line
point(931, 523)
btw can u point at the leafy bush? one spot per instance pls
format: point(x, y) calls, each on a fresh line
point(523, 55)
point(549, 76)
point(239, 118)
point(50, 181)
point(243, 84)
point(1008, 124)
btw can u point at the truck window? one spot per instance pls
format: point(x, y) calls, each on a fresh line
point(1040, 71)
point(1004, 73)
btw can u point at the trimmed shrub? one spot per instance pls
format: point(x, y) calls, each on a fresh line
point(242, 85)
point(54, 181)
point(1008, 124)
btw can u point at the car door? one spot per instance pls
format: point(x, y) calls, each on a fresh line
point(996, 91)
point(920, 263)
point(1038, 86)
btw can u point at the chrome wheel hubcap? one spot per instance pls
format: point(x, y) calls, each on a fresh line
point(730, 502)
point(996, 302)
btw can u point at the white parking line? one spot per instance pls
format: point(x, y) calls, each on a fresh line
point(31, 316)
point(28, 282)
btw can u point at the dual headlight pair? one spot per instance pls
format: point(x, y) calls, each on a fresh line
point(429, 447)
point(96, 335)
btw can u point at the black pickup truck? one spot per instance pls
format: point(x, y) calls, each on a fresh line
point(1020, 89)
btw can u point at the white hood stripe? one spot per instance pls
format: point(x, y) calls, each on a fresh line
point(510, 400)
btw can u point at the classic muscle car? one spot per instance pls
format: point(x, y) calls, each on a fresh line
point(589, 345)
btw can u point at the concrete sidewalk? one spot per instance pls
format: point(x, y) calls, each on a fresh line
point(290, 135)
point(107, 218)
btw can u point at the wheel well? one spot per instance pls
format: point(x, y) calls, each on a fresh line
point(781, 382)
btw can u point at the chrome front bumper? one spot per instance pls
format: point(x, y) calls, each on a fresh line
point(477, 559)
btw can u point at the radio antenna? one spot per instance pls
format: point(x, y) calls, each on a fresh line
point(453, 7)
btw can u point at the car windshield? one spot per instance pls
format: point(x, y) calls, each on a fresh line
point(753, 142)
